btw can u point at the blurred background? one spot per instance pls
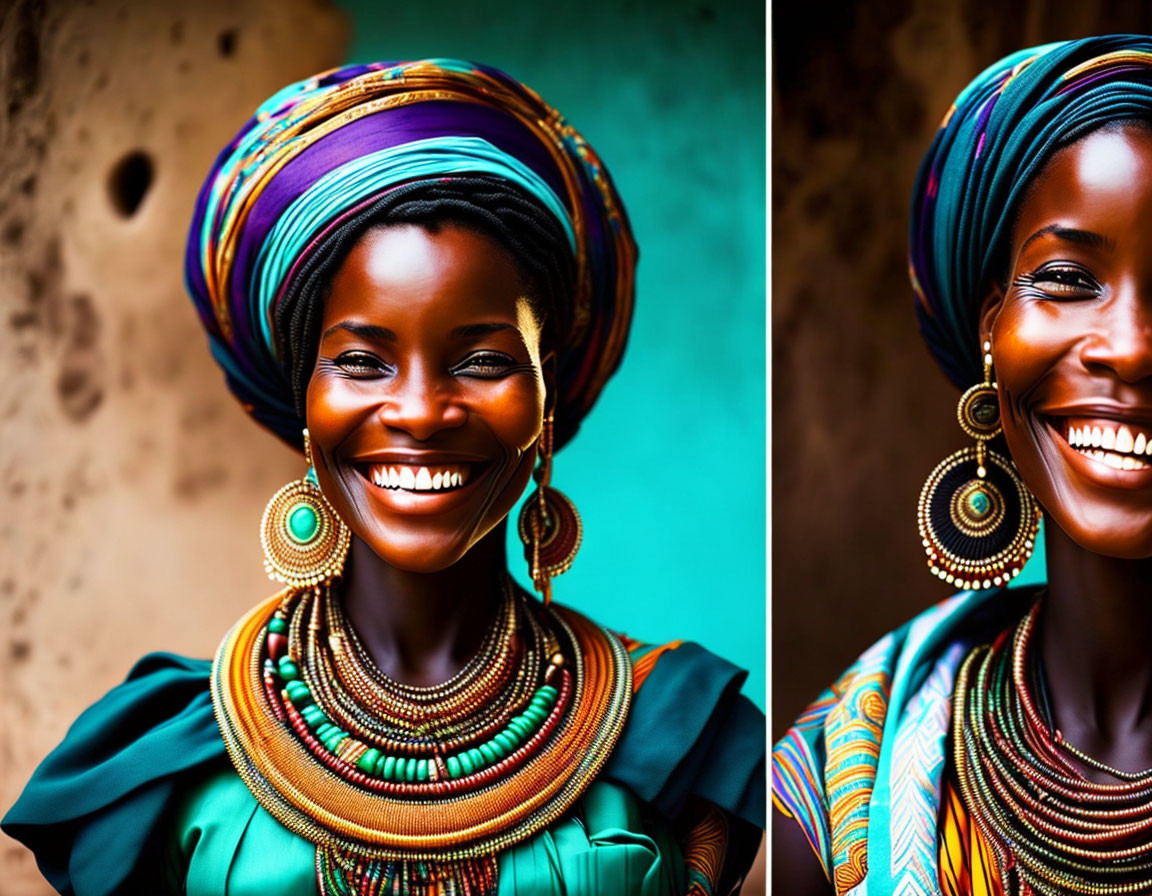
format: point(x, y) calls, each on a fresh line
point(131, 482)
point(860, 413)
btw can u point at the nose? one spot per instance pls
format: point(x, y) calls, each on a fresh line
point(420, 404)
point(1122, 340)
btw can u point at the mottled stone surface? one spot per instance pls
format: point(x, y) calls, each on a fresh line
point(860, 413)
point(130, 481)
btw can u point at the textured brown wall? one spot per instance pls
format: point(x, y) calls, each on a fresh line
point(130, 481)
point(860, 413)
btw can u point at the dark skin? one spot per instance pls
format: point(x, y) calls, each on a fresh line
point(1072, 347)
point(1071, 335)
point(425, 409)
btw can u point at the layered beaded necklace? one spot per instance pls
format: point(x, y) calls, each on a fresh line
point(415, 790)
point(1052, 830)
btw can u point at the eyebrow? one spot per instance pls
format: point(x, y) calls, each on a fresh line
point(370, 332)
point(1072, 235)
point(374, 333)
point(473, 330)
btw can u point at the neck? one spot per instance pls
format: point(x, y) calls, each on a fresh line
point(1096, 623)
point(422, 628)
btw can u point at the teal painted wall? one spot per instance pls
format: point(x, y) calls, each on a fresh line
point(669, 470)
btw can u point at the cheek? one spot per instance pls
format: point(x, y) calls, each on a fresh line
point(514, 411)
point(1029, 340)
point(332, 408)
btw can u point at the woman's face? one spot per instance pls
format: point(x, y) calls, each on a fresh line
point(428, 393)
point(1072, 342)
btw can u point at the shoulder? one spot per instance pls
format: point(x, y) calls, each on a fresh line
point(90, 806)
point(690, 733)
point(882, 726)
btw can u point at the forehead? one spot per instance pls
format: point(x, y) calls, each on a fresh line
point(408, 273)
point(1102, 182)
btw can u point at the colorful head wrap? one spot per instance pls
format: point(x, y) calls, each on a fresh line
point(994, 140)
point(321, 150)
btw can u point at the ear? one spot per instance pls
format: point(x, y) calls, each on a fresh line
point(989, 309)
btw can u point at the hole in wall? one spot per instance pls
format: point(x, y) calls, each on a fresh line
point(226, 42)
point(129, 182)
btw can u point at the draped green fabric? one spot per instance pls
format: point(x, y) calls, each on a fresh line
point(223, 843)
point(142, 780)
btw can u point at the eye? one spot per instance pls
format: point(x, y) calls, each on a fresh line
point(1064, 282)
point(362, 364)
point(485, 365)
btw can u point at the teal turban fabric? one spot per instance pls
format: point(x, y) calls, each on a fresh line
point(994, 140)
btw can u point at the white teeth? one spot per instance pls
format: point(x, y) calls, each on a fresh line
point(417, 478)
point(1114, 460)
point(1097, 435)
point(1129, 463)
point(1138, 445)
point(1124, 439)
point(1074, 437)
point(1108, 440)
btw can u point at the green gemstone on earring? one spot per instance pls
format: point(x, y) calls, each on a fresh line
point(303, 523)
point(985, 411)
point(978, 503)
point(277, 625)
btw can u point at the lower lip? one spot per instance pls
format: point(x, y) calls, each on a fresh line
point(425, 503)
point(1097, 471)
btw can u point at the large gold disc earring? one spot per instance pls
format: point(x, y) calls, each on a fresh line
point(549, 524)
point(977, 519)
point(305, 543)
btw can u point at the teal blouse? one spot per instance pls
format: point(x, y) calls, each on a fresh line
point(141, 796)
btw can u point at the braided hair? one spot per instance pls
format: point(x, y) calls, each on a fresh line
point(493, 206)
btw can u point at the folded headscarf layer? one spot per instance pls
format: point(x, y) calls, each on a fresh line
point(320, 150)
point(994, 140)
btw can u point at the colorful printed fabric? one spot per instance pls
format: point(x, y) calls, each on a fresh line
point(994, 140)
point(861, 770)
point(323, 149)
point(967, 864)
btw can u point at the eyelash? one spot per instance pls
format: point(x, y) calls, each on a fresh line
point(482, 365)
point(1062, 281)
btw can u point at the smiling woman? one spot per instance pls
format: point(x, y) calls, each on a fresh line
point(421, 276)
point(1001, 742)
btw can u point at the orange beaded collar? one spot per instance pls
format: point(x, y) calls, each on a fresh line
point(345, 781)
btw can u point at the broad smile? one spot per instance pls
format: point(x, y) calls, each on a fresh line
point(1110, 451)
point(421, 482)
point(419, 478)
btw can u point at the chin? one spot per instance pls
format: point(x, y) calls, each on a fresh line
point(1100, 531)
point(414, 551)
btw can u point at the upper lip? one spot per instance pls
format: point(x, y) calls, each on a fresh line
point(1107, 410)
point(417, 458)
